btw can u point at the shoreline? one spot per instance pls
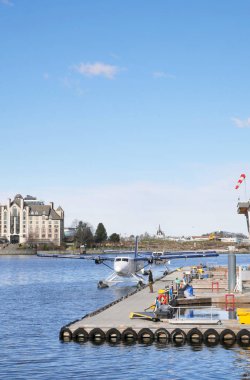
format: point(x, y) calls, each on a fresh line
point(23, 252)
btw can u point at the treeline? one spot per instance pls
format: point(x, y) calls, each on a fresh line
point(85, 235)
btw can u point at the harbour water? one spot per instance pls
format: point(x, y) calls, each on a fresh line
point(40, 295)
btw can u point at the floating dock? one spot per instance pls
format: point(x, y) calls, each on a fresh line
point(112, 322)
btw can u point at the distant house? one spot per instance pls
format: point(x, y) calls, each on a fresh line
point(230, 240)
point(30, 220)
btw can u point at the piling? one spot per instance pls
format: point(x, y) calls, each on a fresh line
point(231, 271)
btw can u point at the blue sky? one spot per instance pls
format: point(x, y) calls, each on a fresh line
point(132, 113)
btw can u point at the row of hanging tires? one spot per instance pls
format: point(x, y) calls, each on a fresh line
point(210, 337)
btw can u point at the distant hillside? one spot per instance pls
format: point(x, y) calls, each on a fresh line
point(226, 234)
point(169, 245)
point(165, 245)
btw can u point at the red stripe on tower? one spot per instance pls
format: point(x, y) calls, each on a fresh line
point(241, 179)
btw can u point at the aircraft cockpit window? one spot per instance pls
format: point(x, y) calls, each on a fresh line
point(118, 259)
point(125, 260)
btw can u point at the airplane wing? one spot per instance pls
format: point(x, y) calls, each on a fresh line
point(100, 258)
point(97, 258)
point(168, 255)
point(141, 256)
point(151, 256)
point(119, 252)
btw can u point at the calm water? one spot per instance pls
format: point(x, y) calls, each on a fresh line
point(39, 295)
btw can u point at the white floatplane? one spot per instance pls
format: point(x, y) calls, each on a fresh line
point(131, 267)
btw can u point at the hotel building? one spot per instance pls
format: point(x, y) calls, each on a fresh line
point(28, 220)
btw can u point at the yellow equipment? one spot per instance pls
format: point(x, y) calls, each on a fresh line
point(244, 315)
point(212, 236)
point(147, 316)
point(161, 291)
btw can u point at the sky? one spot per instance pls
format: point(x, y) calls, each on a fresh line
point(130, 113)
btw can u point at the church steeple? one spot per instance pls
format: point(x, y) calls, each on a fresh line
point(160, 233)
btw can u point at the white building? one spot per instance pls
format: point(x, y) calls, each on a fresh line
point(30, 220)
point(230, 240)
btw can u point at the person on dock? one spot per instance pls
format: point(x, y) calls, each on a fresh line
point(177, 284)
point(150, 281)
point(171, 292)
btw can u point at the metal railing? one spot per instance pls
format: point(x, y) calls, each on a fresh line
point(209, 309)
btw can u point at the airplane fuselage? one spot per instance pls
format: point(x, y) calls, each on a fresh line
point(125, 266)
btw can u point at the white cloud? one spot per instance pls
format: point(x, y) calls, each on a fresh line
point(6, 2)
point(162, 74)
point(240, 123)
point(97, 69)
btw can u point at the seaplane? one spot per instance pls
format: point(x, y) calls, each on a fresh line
point(130, 268)
point(130, 265)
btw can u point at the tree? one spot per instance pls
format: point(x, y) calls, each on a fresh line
point(100, 234)
point(84, 234)
point(115, 238)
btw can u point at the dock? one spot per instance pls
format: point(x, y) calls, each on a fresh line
point(112, 322)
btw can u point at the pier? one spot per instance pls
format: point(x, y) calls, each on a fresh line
point(112, 322)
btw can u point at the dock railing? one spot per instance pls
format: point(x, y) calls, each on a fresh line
point(178, 311)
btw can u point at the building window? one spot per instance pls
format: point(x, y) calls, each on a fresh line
point(14, 211)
